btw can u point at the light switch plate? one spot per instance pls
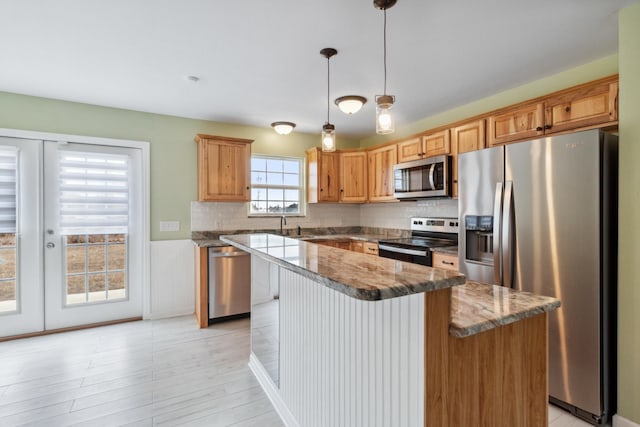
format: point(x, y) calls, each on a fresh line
point(169, 225)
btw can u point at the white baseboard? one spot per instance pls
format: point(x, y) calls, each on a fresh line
point(172, 279)
point(619, 421)
point(272, 392)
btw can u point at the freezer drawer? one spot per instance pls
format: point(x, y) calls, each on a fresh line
point(229, 283)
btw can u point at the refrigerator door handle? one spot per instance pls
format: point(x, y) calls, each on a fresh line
point(497, 224)
point(508, 218)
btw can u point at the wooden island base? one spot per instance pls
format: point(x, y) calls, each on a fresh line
point(494, 378)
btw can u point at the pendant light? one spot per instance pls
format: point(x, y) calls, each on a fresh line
point(328, 130)
point(384, 103)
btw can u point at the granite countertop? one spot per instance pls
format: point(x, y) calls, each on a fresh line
point(209, 243)
point(447, 250)
point(476, 307)
point(354, 274)
point(373, 238)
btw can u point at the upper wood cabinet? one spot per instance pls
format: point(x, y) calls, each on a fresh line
point(323, 176)
point(585, 106)
point(410, 149)
point(421, 147)
point(464, 138)
point(223, 168)
point(518, 124)
point(381, 162)
point(436, 144)
point(353, 176)
point(588, 105)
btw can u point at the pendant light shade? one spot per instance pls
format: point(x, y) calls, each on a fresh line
point(328, 130)
point(350, 104)
point(328, 137)
point(384, 117)
point(283, 128)
point(385, 122)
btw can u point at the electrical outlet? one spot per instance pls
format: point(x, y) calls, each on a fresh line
point(169, 225)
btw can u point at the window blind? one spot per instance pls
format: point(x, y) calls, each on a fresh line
point(94, 193)
point(8, 189)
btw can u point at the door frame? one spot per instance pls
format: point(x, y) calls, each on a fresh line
point(144, 146)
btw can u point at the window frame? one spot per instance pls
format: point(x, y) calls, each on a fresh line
point(302, 187)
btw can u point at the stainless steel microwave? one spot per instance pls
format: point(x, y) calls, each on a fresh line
point(423, 178)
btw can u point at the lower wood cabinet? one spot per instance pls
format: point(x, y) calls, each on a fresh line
point(445, 261)
point(370, 248)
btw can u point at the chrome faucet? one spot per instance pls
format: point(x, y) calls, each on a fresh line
point(283, 220)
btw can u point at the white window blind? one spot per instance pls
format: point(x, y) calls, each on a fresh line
point(8, 189)
point(94, 193)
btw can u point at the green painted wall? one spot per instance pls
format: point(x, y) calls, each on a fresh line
point(629, 236)
point(173, 152)
point(594, 70)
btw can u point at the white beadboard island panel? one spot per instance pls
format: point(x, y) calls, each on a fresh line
point(349, 362)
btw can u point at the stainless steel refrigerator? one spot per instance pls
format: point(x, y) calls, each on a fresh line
point(541, 216)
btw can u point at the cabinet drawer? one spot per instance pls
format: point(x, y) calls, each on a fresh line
point(447, 262)
point(371, 248)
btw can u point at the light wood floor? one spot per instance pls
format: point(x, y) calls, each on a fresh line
point(146, 373)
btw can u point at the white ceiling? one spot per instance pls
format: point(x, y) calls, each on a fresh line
point(259, 60)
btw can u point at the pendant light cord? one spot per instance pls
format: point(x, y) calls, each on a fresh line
point(385, 51)
point(328, 86)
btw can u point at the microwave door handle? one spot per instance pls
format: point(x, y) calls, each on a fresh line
point(508, 218)
point(497, 225)
point(432, 169)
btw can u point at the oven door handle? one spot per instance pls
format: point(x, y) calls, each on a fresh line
point(402, 250)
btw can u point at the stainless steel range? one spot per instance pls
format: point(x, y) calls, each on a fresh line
point(426, 233)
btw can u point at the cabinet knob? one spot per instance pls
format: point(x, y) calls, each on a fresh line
point(568, 108)
point(321, 190)
point(342, 190)
point(539, 128)
point(447, 262)
point(248, 187)
point(547, 126)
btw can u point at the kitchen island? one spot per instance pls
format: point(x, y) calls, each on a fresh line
point(356, 340)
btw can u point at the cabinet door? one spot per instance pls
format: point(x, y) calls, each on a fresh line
point(353, 177)
point(437, 144)
point(223, 169)
point(517, 125)
point(411, 149)
point(357, 246)
point(329, 177)
point(587, 106)
point(381, 162)
point(323, 179)
point(467, 137)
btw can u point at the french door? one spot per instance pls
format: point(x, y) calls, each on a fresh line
point(78, 242)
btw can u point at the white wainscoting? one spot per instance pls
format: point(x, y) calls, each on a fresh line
point(347, 362)
point(172, 279)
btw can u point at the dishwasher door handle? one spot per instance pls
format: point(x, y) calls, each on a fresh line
point(227, 254)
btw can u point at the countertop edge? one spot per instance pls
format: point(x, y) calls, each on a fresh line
point(361, 294)
point(531, 305)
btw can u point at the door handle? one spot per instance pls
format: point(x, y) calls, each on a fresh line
point(508, 218)
point(497, 223)
point(51, 245)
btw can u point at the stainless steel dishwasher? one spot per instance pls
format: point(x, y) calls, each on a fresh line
point(229, 283)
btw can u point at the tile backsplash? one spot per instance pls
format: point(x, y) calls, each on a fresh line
point(233, 216)
point(211, 216)
point(396, 215)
